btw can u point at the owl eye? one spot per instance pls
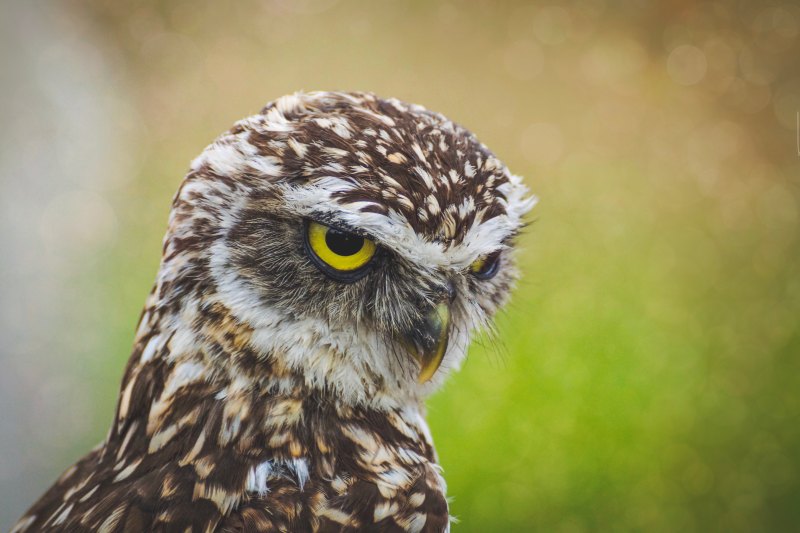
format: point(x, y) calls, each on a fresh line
point(342, 255)
point(486, 266)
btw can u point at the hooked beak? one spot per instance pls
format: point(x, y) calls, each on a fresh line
point(428, 341)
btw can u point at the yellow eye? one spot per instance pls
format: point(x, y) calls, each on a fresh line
point(477, 265)
point(338, 251)
point(486, 266)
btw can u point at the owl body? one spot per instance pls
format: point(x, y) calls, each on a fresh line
point(326, 263)
point(261, 460)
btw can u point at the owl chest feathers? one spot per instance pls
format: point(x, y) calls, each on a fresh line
point(245, 446)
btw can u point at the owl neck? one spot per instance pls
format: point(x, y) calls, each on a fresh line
point(202, 368)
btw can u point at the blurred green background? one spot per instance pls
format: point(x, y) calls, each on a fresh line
point(647, 375)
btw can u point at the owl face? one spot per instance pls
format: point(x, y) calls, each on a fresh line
point(362, 240)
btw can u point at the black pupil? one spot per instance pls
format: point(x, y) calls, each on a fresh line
point(342, 243)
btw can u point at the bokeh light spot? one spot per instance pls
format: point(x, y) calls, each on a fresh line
point(687, 64)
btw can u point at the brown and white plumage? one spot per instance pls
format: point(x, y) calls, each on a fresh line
point(266, 393)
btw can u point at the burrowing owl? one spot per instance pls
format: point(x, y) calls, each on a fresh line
point(325, 265)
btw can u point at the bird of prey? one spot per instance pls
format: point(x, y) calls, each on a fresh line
point(325, 264)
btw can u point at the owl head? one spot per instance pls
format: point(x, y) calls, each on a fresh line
point(359, 242)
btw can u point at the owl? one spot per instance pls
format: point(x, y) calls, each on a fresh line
point(326, 263)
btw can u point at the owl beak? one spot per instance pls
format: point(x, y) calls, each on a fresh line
point(428, 342)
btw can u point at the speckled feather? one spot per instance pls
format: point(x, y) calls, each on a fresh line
point(262, 396)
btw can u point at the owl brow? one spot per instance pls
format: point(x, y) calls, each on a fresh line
point(332, 221)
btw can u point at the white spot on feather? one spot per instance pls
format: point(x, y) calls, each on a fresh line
point(433, 205)
point(183, 374)
point(267, 165)
point(416, 499)
point(339, 125)
point(397, 158)
point(385, 509)
point(335, 515)
point(127, 471)
point(418, 151)
point(63, 515)
point(300, 467)
point(24, 524)
point(425, 175)
point(222, 157)
point(414, 523)
point(150, 349)
point(88, 494)
point(111, 522)
point(257, 478)
point(299, 148)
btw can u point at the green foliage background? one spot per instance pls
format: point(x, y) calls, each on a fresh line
point(646, 374)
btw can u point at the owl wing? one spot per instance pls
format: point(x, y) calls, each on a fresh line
point(91, 497)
